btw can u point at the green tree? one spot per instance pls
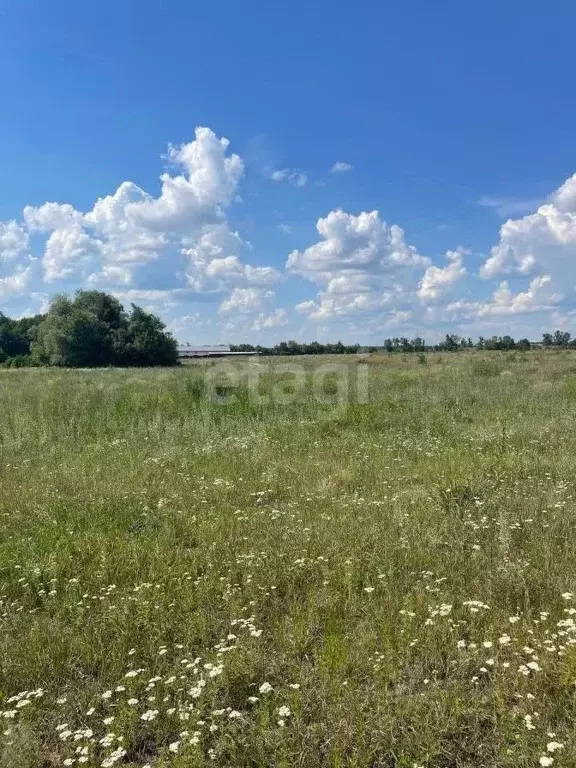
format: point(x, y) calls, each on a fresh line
point(561, 338)
point(93, 330)
point(147, 341)
point(72, 336)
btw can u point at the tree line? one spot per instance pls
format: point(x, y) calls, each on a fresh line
point(296, 348)
point(92, 329)
point(451, 343)
point(454, 343)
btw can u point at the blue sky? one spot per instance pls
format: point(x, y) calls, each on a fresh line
point(337, 171)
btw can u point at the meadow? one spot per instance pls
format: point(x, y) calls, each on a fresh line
point(193, 575)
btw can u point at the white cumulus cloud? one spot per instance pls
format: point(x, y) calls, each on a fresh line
point(437, 281)
point(214, 263)
point(14, 240)
point(536, 298)
point(245, 300)
point(276, 319)
point(16, 283)
point(184, 230)
point(361, 262)
point(544, 241)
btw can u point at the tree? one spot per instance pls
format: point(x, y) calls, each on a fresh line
point(93, 330)
point(16, 335)
point(451, 343)
point(71, 336)
point(561, 339)
point(147, 342)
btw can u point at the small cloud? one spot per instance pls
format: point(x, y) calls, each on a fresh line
point(292, 175)
point(276, 319)
point(508, 206)
point(286, 229)
point(245, 300)
point(340, 168)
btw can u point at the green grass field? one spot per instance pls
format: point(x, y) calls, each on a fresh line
point(291, 582)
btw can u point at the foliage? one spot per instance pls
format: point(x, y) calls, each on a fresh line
point(90, 330)
point(452, 342)
point(147, 343)
point(16, 336)
point(285, 348)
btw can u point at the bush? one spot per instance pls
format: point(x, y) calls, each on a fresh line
point(19, 361)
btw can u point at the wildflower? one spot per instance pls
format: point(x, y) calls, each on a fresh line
point(504, 640)
point(118, 754)
point(132, 702)
point(552, 746)
point(61, 700)
point(150, 714)
point(284, 711)
point(174, 747)
point(546, 761)
point(234, 714)
point(265, 688)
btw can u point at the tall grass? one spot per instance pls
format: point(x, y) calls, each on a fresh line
point(185, 583)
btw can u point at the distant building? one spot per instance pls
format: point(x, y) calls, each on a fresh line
point(208, 350)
